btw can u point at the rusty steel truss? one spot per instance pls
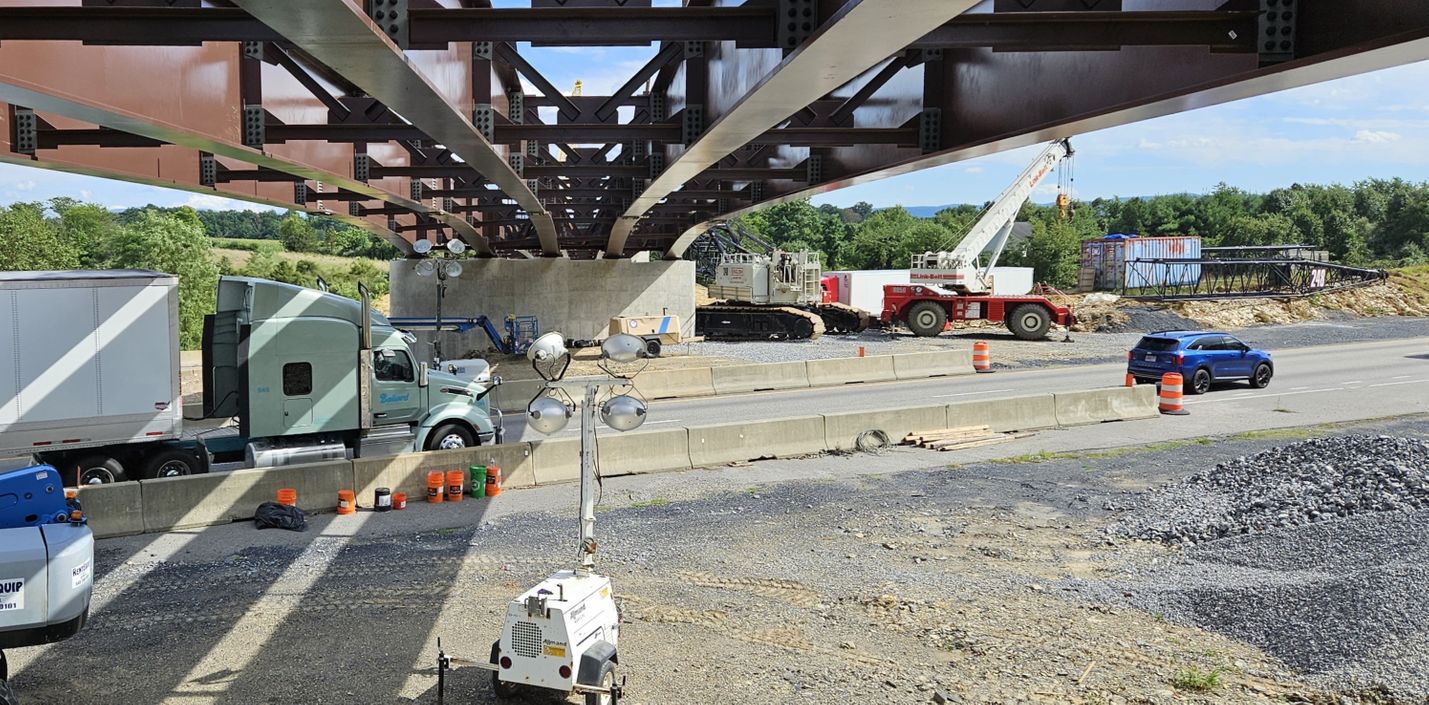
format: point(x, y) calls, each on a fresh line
point(408, 117)
point(1216, 278)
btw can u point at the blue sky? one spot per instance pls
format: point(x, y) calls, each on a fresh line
point(1373, 125)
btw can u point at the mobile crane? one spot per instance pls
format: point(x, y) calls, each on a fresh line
point(953, 285)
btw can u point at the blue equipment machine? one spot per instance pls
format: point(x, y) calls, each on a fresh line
point(46, 563)
point(520, 330)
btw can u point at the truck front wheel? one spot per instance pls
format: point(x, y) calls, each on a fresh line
point(927, 319)
point(450, 436)
point(1029, 322)
point(99, 469)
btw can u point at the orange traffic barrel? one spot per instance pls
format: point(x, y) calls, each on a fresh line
point(493, 480)
point(1130, 380)
point(860, 351)
point(288, 497)
point(346, 502)
point(435, 486)
point(982, 359)
point(456, 485)
point(1171, 395)
point(399, 500)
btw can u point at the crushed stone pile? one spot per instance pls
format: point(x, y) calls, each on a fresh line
point(1293, 485)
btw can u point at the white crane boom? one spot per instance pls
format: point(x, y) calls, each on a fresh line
point(958, 269)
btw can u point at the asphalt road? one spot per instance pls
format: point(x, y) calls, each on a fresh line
point(1391, 375)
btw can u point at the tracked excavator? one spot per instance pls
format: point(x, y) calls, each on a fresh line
point(775, 296)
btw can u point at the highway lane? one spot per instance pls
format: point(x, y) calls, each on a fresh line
point(1392, 374)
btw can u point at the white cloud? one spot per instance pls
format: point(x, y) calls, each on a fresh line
point(25, 186)
point(203, 201)
point(85, 194)
point(974, 170)
point(1377, 136)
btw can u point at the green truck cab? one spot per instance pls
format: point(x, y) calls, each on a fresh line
point(311, 375)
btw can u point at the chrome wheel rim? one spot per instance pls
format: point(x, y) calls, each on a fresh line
point(452, 441)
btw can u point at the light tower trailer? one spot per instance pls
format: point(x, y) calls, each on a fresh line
point(562, 634)
point(46, 564)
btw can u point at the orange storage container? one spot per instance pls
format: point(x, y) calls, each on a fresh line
point(436, 486)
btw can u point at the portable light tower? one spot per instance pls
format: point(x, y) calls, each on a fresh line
point(562, 634)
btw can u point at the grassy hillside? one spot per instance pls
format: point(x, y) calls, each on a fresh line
point(269, 260)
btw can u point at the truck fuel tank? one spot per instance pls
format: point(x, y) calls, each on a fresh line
point(266, 454)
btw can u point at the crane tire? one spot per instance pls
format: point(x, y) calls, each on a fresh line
point(926, 318)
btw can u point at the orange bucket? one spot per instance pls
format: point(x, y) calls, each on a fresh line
point(456, 485)
point(288, 497)
point(399, 500)
point(493, 480)
point(346, 502)
point(436, 484)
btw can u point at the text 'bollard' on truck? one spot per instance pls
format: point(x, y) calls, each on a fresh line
point(90, 368)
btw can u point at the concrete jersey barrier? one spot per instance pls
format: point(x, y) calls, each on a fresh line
point(201, 500)
point(849, 370)
point(1102, 405)
point(223, 497)
point(841, 430)
point(757, 378)
point(1022, 413)
point(407, 473)
point(933, 364)
point(719, 444)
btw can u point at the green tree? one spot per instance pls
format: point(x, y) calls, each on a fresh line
point(86, 227)
point(28, 242)
point(1347, 237)
point(298, 234)
point(174, 243)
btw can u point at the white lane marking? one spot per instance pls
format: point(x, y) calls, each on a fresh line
point(1264, 396)
point(1355, 381)
point(964, 394)
point(652, 423)
point(1295, 388)
point(1401, 377)
point(1407, 381)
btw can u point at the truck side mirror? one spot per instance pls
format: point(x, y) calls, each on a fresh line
point(422, 374)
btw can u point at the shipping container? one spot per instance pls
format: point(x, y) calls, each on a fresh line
point(1111, 263)
point(864, 289)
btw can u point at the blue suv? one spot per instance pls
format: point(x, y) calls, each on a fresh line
point(1201, 357)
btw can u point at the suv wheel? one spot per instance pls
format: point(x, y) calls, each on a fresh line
point(1261, 378)
point(1200, 381)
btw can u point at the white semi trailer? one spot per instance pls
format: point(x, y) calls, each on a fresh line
point(89, 378)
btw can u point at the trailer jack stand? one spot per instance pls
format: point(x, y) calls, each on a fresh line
point(444, 663)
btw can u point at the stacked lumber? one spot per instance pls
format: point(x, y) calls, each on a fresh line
point(959, 438)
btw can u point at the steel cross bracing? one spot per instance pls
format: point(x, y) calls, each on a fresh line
point(408, 117)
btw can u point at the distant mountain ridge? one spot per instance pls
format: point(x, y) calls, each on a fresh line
point(930, 211)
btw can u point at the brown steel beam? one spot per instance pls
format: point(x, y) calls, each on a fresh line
point(1091, 31)
point(752, 26)
point(748, 27)
point(141, 26)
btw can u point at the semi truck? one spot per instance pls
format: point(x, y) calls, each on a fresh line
point(90, 368)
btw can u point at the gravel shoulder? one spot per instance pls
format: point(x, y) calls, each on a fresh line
point(993, 582)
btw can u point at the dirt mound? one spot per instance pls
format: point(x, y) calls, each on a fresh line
point(1406, 294)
